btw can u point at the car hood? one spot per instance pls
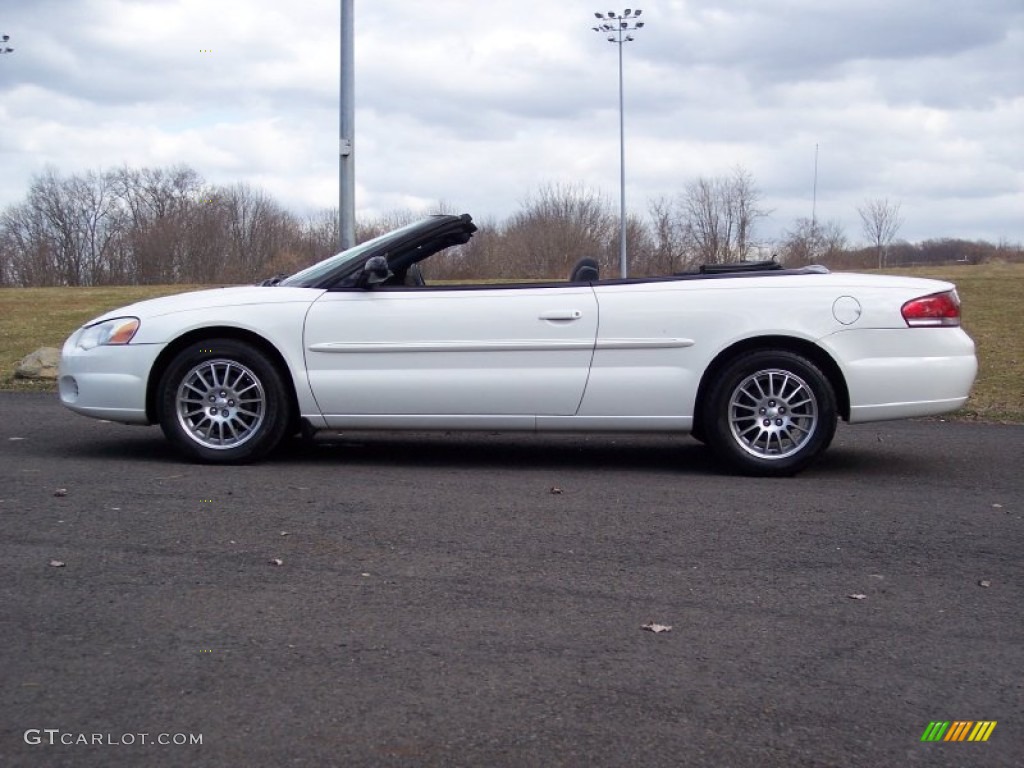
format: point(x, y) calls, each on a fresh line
point(212, 299)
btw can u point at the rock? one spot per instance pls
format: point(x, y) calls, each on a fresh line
point(41, 364)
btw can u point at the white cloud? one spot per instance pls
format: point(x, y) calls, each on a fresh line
point(478, 104)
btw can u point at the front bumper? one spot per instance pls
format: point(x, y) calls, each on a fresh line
point(107, 382)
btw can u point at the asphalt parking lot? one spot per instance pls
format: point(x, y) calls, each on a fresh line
point(479, 600)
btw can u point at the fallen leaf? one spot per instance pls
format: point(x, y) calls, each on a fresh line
point(15, 438)
point(555, 490)
point(285, 533)
point(656, 628)
point(984, 583)
point(277, 561)
point(57, 563)
point(997, 506)
point(61, 492)
point(857, 597)
point(877, 576)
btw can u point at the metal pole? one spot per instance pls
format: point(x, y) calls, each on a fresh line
point(616, 27)
point(622, 172)
point(346, 133)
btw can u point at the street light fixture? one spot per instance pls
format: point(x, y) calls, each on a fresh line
point(617, 28)
point(3, 44)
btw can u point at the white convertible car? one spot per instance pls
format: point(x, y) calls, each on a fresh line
point(757, 361)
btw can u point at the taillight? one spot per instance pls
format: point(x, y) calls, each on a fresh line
point(934, 310)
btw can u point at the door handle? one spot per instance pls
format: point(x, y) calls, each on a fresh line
point(561, 314)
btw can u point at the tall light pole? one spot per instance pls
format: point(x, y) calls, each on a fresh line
point(346, 133)
point(618, 27)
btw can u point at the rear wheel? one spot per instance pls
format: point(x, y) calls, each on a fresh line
point(223, 401)
point(770, 413)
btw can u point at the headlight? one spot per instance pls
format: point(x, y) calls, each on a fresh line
point(118, 331)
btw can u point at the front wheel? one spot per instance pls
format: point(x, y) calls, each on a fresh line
point(771, 413)
point(222, 401)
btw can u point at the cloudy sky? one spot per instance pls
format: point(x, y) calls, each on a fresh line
point(478, 103)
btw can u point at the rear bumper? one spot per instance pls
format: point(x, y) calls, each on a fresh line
point(903, 373)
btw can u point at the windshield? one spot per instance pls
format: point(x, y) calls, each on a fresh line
point(352, 256)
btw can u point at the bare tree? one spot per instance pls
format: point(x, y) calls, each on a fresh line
point(741, 205)
point(65, 233)
point(881, 221)
point(319, 234)
point(717, 217)
point(161, 206)
point(555, 227)
point(480, 258)
point(669, 253)
point(642, 248)
point(26, 248)
point(257, 228)
point(811, 242)
point(701, 224)
point(206, 243)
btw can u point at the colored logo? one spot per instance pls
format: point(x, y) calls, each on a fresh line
point(958, 730)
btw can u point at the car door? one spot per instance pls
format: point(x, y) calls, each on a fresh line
point(450, 357)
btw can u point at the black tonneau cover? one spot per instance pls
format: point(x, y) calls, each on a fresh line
point(767, 265)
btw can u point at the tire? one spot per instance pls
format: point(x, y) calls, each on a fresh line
point(770, 413)
point(222, 401)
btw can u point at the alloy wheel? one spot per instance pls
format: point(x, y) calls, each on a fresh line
point(220, 404)
point(772, 413)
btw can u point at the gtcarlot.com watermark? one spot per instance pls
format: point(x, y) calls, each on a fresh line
point(55, 736)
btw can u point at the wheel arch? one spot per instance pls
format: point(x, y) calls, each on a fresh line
point(169, 352)
point(808, 349)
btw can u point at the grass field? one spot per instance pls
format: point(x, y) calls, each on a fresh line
point(992, 297)
point(43, 317)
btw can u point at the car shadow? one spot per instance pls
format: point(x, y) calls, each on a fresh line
point(609, 452)
point(499, 450)
point(486, 450)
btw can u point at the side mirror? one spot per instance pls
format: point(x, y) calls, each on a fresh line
point(375, 271)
